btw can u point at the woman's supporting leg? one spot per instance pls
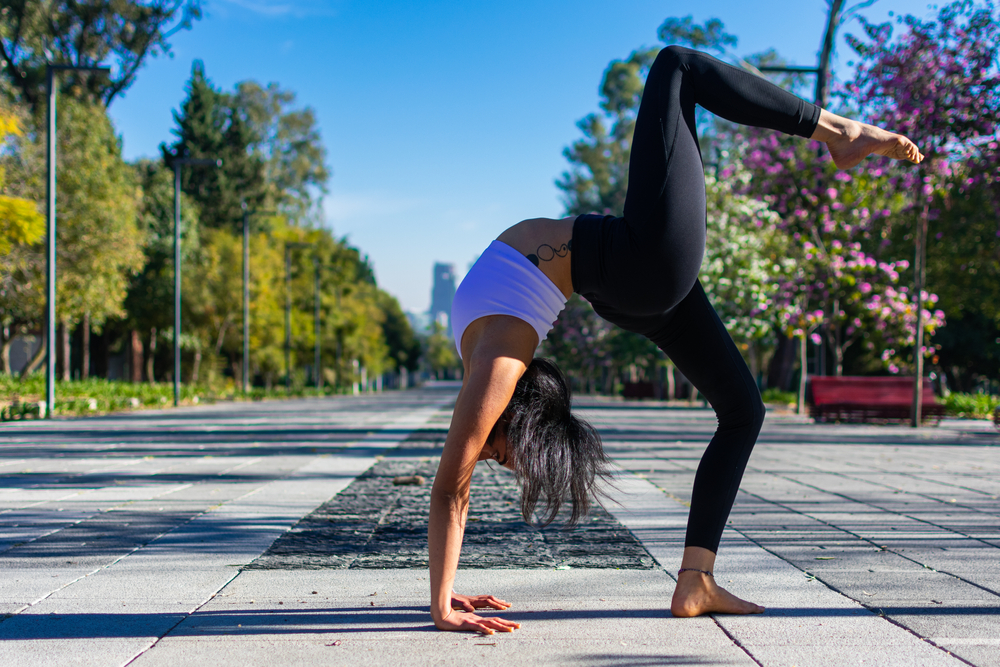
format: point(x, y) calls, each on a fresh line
point(693, 336)
point(695, 339)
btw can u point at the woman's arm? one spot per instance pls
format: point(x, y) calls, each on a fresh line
point(498, 352)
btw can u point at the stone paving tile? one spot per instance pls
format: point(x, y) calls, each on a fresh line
point(866, 511)
point(375, 524)
point(379, 617)
point(871, 512)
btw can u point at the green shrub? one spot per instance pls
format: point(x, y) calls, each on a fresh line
point(19, 398)
point(971, 406)
point(779, 397)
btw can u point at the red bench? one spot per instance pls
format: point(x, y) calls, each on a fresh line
point(870, 399)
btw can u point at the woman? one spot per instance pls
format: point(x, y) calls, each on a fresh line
point(640, 272)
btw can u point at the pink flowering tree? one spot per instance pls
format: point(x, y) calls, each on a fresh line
point(845, 284)
point(869, 306)
point(937, 82)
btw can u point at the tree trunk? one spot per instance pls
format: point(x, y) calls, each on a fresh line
point(197, 366)
point(782, 366)
point(35, 362)
point(826, 52)
point(802, 374)
point(150, 374)
point(85, 347)
point(838, 344)
point(63, 366)
point(5, 351)
point(135, 357)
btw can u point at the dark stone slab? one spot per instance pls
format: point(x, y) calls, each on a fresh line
point(373, 524)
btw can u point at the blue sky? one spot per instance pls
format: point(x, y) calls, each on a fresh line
point(444, 120)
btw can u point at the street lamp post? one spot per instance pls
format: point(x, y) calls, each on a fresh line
point(247, 214)
point(288, 311)
point(318, 378)
point(50, 214)
point(178, 163)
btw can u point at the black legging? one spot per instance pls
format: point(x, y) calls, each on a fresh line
point(641, 271)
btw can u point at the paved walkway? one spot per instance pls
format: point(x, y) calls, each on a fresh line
point(254, 534)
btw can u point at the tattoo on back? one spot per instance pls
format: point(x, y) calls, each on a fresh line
point(547, 253)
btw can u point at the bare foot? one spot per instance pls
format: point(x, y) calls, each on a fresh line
point(697, 594)
point(850, 142)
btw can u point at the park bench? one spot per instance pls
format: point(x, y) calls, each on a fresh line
point(870, 399)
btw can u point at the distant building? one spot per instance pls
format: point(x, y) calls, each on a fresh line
point(442, 294)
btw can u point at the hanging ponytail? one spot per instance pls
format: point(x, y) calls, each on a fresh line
point(556, 456)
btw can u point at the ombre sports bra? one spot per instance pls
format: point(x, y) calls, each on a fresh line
point(505, 282)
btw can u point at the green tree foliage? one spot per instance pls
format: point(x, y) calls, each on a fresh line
point(150, 300)
point(121, 33)
point(272, 154)
point(289, 143)
point(598, 179)
point(20, 221)
point(210, 126)
point(440, 354)
point(98, 242)
point(712, 35)
point(21, 230)
point(100, 246)
point(404, 347)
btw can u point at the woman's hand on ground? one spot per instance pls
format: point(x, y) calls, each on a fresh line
point(473, 602)
point(463, 620)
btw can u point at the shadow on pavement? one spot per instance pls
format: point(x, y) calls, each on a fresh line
point(291, 621)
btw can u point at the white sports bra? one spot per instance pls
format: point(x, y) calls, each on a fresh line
point(505, 282)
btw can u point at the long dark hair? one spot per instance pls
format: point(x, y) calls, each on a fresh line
point(556, 456)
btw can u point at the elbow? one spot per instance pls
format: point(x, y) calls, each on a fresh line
point(450, 499)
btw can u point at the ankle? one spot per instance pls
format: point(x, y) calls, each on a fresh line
point(832, 127)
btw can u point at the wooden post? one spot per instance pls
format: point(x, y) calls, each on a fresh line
point(85, 347)
point(919, 276)
point(802, 374)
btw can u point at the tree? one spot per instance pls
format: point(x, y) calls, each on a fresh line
point(746, 254)
point(210, 126)
point(20, 221)
point(21, 228)
point(150, 299)
point(99, 245)
point(290, 144)
point(272, 155)
point(122, 33)
point(938, 84)
point(440, 354)
point(404, 347)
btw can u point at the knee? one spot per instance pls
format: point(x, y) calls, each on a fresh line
point(746, 412)
point(676, 54)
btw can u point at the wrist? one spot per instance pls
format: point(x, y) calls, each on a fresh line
point(439, 615)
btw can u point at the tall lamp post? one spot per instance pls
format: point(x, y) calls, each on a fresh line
point(318, 378)
point(247, 214)
point(288, 310)
point(50, 214)
point(178, 163)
